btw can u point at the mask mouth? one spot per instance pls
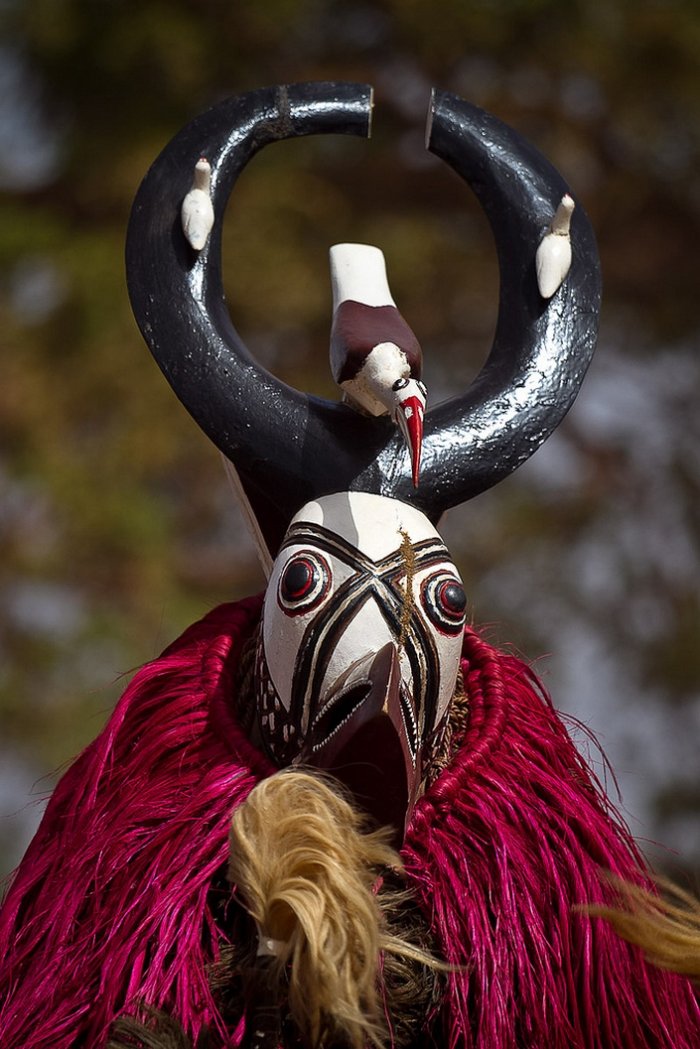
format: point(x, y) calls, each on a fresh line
point(338, 712)
point(366, 735)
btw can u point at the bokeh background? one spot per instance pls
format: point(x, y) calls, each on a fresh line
point(117, 526)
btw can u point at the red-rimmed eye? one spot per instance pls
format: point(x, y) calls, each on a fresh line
point(445, 602)
point(304, 582)
point(298, 579)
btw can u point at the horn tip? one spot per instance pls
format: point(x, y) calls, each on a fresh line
point(429, 119)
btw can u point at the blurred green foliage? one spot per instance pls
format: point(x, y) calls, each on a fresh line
point(116, 523)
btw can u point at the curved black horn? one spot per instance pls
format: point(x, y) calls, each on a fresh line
point(541, 348)
point(288, 447)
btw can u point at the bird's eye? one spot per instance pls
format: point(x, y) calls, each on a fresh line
point(445, 602)
point(304, 582)
point(400, 384)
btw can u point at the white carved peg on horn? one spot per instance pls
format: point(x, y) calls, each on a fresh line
point(197, 211)
point(553, 258)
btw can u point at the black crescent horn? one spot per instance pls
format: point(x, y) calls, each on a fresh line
point(541, 348)
point(288, 447)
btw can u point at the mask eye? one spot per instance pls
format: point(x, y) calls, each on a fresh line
point(421, 387)
point(304, 582)
point(400, 384)
point(445, 602)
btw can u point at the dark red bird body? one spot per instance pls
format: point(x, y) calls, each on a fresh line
point(358, 328)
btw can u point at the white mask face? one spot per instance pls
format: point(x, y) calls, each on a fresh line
point(337, 597)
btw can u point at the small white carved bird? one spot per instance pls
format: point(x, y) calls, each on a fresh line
point(197, 212)
point(375, 357)
point(553, 258)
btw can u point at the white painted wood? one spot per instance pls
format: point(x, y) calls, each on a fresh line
point(197, 213)
point(358, 272)
point(553, 258)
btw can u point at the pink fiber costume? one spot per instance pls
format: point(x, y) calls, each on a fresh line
point(112, 905)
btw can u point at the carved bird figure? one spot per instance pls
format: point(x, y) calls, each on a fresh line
point(375, 357)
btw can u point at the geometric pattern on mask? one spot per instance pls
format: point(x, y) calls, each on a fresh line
point(278, 732)
point(377, 581)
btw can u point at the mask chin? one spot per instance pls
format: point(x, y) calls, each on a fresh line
point(371, 767)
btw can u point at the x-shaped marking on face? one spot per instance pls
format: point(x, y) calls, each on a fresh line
point(371, 579)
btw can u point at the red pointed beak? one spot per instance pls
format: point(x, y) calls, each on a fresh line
point(409, 416)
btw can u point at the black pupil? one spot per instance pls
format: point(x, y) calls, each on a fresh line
point(453, 598)
point(297, 580)
point(399, 384)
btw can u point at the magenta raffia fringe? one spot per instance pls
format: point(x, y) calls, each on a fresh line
point(109, 907)
point(510, 839)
